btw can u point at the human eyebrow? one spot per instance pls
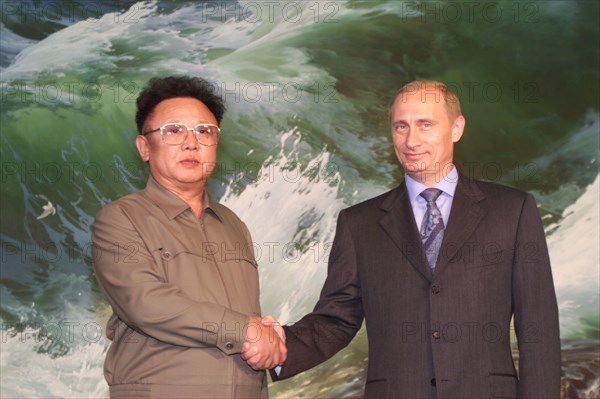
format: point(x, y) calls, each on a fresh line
point(206, 123)
point(399, 122)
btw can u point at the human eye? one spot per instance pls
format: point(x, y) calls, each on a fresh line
point(205, 130)
point(400, 127)
point(172, 129)
point(426, 125)
point(201, 129)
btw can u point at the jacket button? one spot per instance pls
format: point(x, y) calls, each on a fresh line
point(433, 382)
point(436, 289)
point(436, 334)
point(228, 346)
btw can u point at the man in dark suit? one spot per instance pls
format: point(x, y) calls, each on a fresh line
point(437, 276)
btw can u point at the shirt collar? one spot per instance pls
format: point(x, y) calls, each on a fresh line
point(447, 184)
point(171, 204)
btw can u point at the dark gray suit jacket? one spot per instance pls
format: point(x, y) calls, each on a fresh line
point(444, 334)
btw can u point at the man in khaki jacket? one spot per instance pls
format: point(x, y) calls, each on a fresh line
point(177, 268)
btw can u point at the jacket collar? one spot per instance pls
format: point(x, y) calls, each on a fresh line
point(399, 223)
point(171, 204)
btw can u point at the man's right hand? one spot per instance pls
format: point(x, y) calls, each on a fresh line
point(264, 346)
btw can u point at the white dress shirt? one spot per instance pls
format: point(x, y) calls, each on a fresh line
point(444, 201)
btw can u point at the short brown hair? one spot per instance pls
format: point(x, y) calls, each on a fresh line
point(428, 86)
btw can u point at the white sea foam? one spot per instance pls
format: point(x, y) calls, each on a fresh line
point(85, 42)
point(173, 42)
point(12, 44)
point(28, 374)
point(75, 338)
point(291, 213)
point(575, 256)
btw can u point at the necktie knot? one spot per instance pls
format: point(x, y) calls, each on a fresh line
point(431, 194)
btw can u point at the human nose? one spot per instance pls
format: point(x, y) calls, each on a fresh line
point(190, 142)
point(413, 139)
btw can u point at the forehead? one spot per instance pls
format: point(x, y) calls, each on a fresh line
point(183, 109)
point(427, 101)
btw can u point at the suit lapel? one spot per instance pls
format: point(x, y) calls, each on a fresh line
point(399, 224)
point(465, 215)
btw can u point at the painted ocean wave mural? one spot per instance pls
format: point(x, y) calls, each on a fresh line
point(307, 86)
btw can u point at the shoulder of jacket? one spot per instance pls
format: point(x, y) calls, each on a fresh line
point(129, 202)
point(371, 204)
point(492, 190)
point(223, 211)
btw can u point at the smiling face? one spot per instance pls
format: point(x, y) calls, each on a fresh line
point(424, 134)
point(184, 167)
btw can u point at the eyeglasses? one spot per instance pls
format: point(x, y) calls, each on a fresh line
point(176, 133)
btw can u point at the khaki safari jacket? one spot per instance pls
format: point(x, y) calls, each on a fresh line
point(181, 290)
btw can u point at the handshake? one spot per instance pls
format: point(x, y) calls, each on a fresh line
point(264, 344)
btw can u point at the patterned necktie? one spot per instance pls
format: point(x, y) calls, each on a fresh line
point(432, 227)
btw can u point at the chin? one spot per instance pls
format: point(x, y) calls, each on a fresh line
point(413, 167)
point(193, 179)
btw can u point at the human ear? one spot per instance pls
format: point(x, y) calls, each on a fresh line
point(458, 128)
point(143, 147)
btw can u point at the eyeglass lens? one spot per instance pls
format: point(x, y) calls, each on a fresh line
point(174, 133)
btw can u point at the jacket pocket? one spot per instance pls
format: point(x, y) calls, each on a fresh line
point(503, 386)
point(193, 273)
point(488, 255)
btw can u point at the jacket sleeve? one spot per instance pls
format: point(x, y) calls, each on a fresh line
point(141, 297)
point(336, 318)
point(535, 309)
